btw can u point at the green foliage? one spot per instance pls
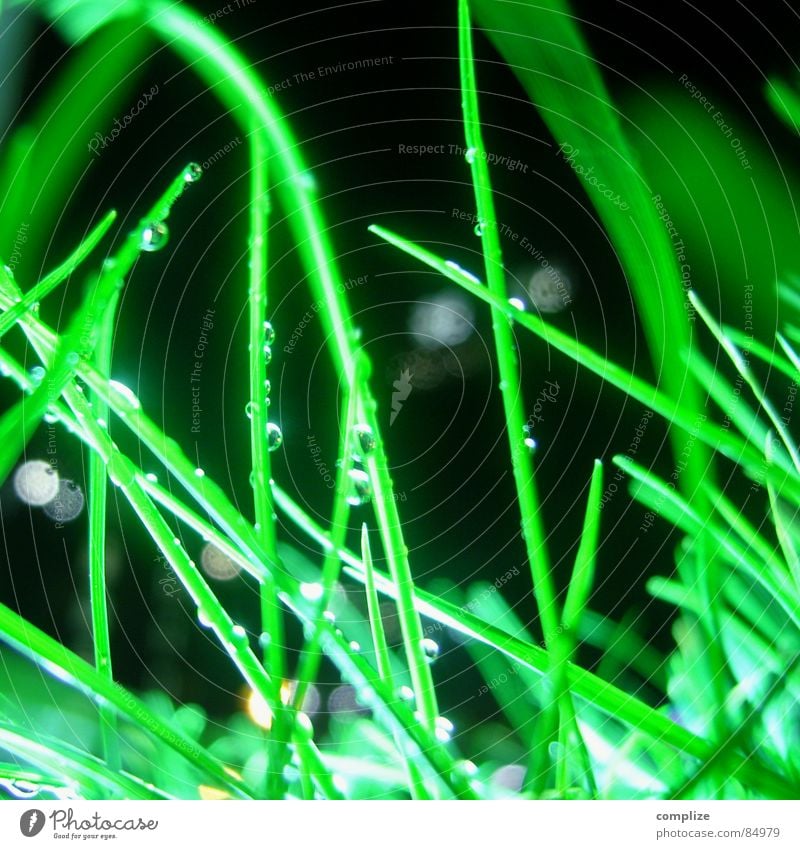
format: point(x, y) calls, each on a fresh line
point(579, 733)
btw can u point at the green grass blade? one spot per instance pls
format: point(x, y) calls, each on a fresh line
point(577, 598)
point(98, 495)
point(261, 472)
point(52, 656)
point(662, 499)
point(542, 43)
point(584, 685)
point(746, 372)
point(785, 537)
point(49, 753)
point(32, 297)
point(310, 658)
point(381, 647)
point(383, 662)
point(234, 82)
point(505, 347)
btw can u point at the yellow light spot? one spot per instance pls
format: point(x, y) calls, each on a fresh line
point(260, 712)
point(211, 794)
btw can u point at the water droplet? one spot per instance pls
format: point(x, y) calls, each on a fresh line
point(462, 271)
point(122, 397)
point(249, 409)
point(360, 488)
point(274, 436)
point(517, 303)
point(467, 767)
point(329, 616)
point(269, 333)
point(444, 729)
point(72, 358)
point(480, 228)
point(192, 173)
point(239, 637)
point(50, 418)
point(405, 693)
point(306, 181)
point(529, 443)
point(355, 645)
point(365, 441)
point(267, 354)
point(37, 374)
point(471, 154)
point(154, 236)
point(430, 649)
point(267, 386)
point(199, 473)
point(151, 477)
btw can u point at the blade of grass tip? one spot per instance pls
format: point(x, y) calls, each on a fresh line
point(746, 372)
point(36, 293)
point(57, 660)
point(608, 698)
point(713, 435)
point(784, 535)
point(98, 495)
point(664, 499)
point(260, 433)
point(310, 658)
point(577, 598)
point(751, 345)
point(383, 664)
point(18, 424)
point(508, 365)
point(785, 102)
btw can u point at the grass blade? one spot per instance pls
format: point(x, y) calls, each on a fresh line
point(508, 365)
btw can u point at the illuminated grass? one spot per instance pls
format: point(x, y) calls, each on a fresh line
point(737, 586)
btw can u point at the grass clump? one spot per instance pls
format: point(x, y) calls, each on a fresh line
point(717, 718)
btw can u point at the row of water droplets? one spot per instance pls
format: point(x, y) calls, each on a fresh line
point(274, 434)
point(155, 234)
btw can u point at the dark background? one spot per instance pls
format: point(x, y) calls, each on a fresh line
point(448, 447)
